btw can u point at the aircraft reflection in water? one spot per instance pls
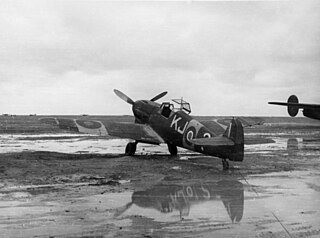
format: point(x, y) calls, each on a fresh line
point(168, 198)
point(293, 145)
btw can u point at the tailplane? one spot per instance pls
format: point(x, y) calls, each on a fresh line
point(230, 145)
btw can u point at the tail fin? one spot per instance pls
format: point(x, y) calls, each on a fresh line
point(234, 132)
point(292, 104)
point(293, 110)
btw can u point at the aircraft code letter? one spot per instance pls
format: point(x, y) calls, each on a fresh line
point(175, 123)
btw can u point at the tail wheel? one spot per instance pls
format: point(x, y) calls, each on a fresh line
point(172, 149)
point(225, 164)
point(131, 148)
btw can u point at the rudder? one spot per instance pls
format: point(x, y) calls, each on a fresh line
point(235, 133)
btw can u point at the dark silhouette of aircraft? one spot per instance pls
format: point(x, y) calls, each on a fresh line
point(309, 110)
point(162, 123)
point(167, 198)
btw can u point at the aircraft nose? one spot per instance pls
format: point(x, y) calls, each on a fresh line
point(139, 109)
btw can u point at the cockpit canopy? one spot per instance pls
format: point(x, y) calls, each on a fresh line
point(183, 105)
point(167, 107)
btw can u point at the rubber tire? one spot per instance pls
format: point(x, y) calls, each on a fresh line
point(131, 148)
point(225, 164)
point(172, 149)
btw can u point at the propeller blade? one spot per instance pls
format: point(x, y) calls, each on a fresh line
point(158, 96)
point(123, 96)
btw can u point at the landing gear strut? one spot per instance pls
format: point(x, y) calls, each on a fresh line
point(225, 164)
point(131, 148)
point(172, 149)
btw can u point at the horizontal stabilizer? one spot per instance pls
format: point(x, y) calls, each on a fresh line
point(300, 105)
point(213, 141)
point(226, 146)
point(309, 110)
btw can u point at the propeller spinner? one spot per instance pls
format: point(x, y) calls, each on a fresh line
point(141, 109)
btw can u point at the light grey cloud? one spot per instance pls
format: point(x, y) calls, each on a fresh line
point(225, 57)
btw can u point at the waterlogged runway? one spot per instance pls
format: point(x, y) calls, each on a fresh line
point(72, 143)
point(270, 205)
point(275, 192)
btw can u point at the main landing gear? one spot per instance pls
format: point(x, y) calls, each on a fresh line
point(172, 149)
point(225, 164)
point(131, 148)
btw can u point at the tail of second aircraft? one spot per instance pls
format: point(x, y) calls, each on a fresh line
point(292, 109)
point(292, 104)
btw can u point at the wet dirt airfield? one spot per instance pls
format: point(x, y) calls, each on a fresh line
point(62, 185)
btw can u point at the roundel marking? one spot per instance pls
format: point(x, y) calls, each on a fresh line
point(189, 135)
point(89, 124)
point(208, 135)
point(204, 133)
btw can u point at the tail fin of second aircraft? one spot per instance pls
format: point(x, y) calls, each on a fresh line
point(292, 104)
point(292, 109)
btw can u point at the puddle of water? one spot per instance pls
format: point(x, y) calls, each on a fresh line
point(80, 143)
point(286, 198)
point(282, 203)
point(72, 143)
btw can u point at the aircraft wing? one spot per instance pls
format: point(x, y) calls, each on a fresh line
point(298, 105)
point(138, 132)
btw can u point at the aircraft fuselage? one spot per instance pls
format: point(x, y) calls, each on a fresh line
point(177, 128)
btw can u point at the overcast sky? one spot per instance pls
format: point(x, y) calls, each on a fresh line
point(225, 58)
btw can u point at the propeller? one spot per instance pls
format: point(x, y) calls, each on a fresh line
point(130, 101)
point(123, 96)
point(158, 96)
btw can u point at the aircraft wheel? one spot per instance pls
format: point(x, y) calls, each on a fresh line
point(225, 164)
point(131, 148)
point(172, 149)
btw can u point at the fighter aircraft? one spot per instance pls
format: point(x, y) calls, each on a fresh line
point(162, 123)
point(309, 110)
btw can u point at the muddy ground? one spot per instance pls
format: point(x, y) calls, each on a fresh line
point(274, 192)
